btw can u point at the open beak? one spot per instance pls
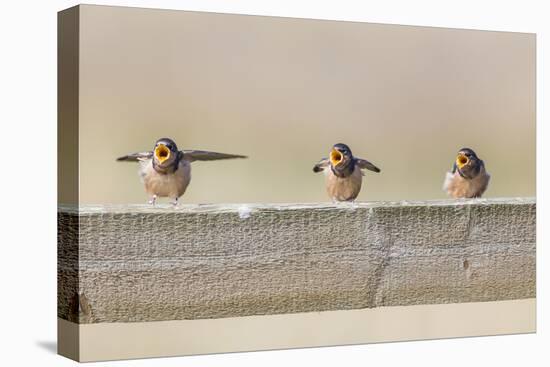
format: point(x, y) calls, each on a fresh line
point(336, 157)
point(461, 160)
point(162, 153)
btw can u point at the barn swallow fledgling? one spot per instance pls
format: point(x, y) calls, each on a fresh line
point(166, 171)
point(343, 175)
point(468, 179)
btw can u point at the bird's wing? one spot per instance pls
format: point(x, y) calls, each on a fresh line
point(202, 155)
point(364, 164)
point(136, 157)
point(484, 181)
point(454, 168)
point(321, 165)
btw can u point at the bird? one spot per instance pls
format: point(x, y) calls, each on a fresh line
point(166, 171)
point(343, 175)
point(468, 177)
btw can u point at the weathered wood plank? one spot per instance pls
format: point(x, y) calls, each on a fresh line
point(139, 263)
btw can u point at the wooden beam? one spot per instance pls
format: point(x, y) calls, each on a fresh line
point(142, 263)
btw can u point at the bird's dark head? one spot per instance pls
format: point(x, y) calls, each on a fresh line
point(165, 152)
point(340, 155)
point(467, 162)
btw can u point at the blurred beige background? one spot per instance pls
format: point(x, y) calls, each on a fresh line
point(284, 90)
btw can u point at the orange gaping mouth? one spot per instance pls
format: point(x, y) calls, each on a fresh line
point(461, 160)
point(162, 153)
point(336, 157)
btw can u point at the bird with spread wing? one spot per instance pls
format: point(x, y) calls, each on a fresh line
point(166, 171)
point(343, 173)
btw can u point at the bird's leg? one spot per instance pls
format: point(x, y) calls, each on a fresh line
point(175, 202)
point(153, 200)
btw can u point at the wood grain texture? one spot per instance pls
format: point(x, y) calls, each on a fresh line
point(141, 263)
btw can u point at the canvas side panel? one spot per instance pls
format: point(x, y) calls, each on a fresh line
point(67, 105)
point(67, 175)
